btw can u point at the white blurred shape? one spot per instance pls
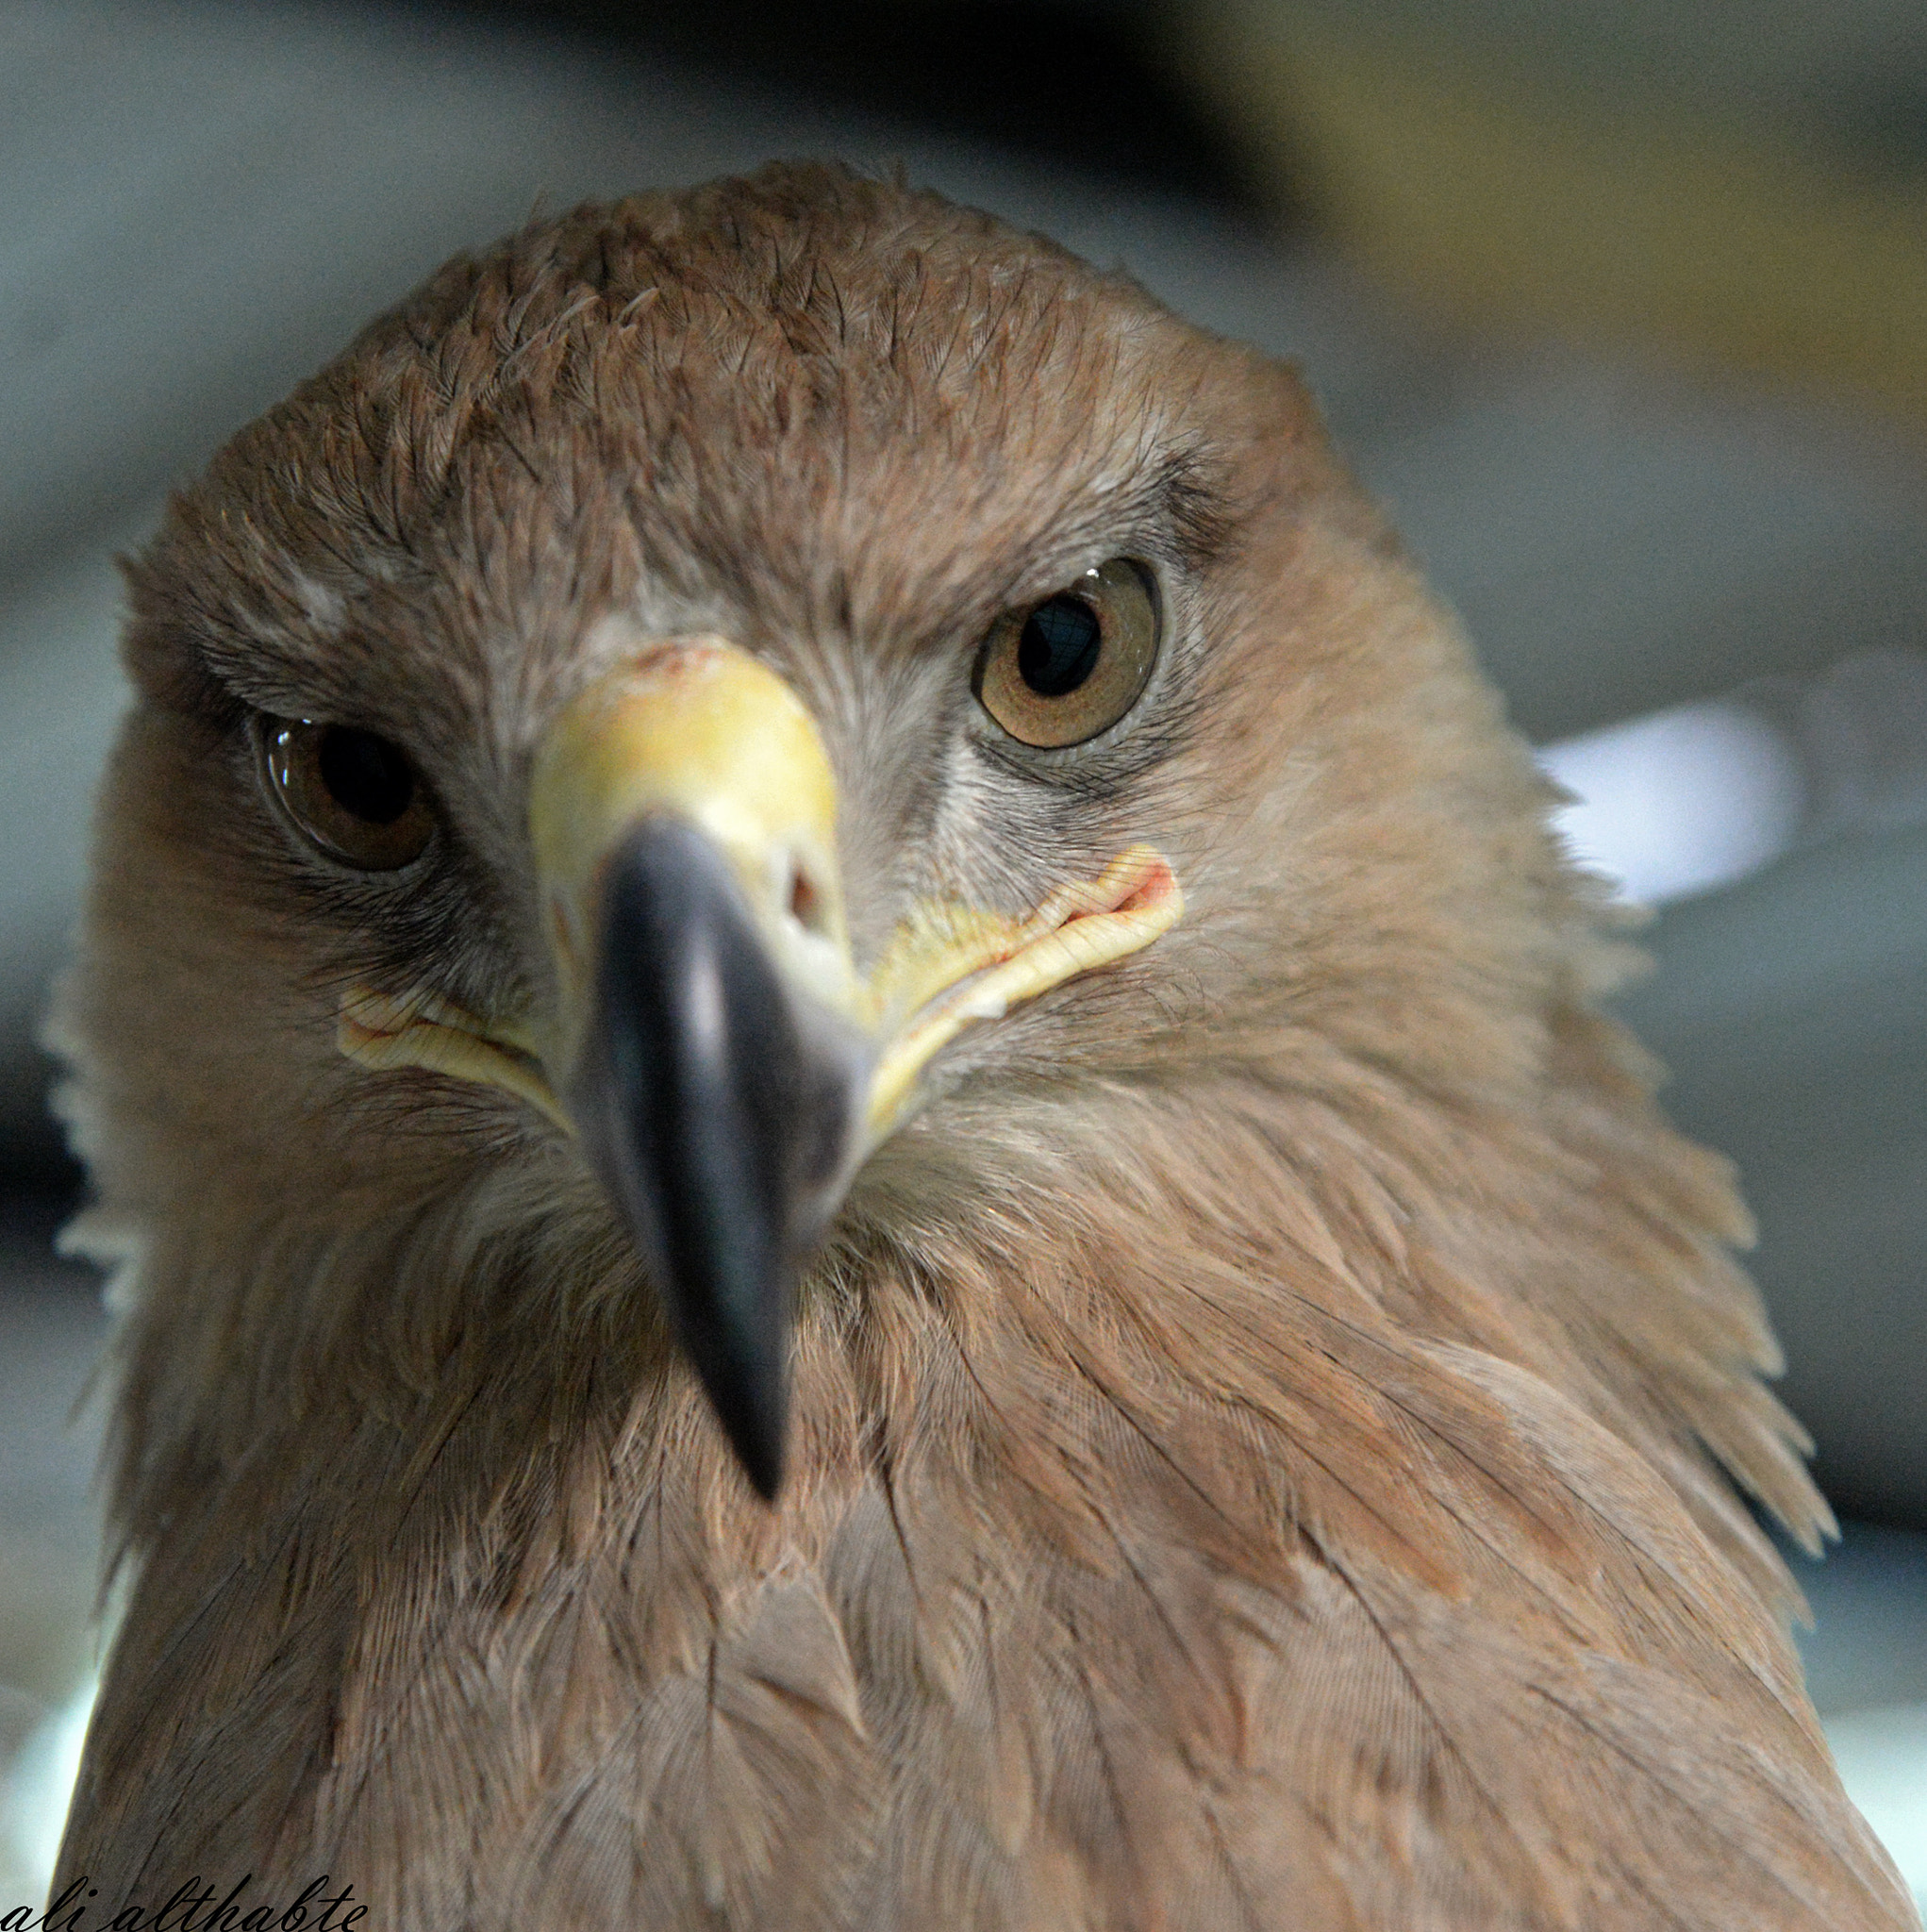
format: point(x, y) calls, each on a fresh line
point(35, 1791)
point(1680, 802)
point(1883, 1761)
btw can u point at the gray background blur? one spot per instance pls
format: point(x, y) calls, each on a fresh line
point(200, 202)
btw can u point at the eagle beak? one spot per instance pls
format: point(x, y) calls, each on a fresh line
point(718, 1099)
point(712, 1043)
point(710, 1050)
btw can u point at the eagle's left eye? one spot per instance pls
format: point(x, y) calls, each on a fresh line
point(1057, 672)
point(355, 795)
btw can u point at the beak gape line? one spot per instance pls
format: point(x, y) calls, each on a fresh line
point(724, 1064)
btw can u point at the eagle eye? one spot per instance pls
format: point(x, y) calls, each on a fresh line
point(1057, 672)
point(355, 795)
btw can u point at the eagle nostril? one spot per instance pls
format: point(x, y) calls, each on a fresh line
point(805, 902)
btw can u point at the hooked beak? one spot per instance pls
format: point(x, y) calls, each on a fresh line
point(712, 1043)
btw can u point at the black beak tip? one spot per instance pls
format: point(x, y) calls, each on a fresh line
point(762, 1457)
point(750, 1405)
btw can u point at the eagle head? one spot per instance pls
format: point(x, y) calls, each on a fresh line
point(741, 726)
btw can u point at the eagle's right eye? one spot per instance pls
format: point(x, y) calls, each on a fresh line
point(1058, 673)
point(355, 795)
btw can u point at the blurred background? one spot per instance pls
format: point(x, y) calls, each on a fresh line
point(1621, 304)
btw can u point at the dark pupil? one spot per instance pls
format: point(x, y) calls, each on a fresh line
point(365, 775)
point(1057, 648)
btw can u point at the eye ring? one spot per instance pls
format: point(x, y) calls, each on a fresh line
point(353, 795)
point(1059, 671)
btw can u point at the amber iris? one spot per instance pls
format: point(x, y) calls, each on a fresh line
point(1061, 670)
point(355, 795)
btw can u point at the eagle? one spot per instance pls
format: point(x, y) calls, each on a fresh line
point(861, 1166)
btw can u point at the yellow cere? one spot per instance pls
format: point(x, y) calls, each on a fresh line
point(700, 730)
